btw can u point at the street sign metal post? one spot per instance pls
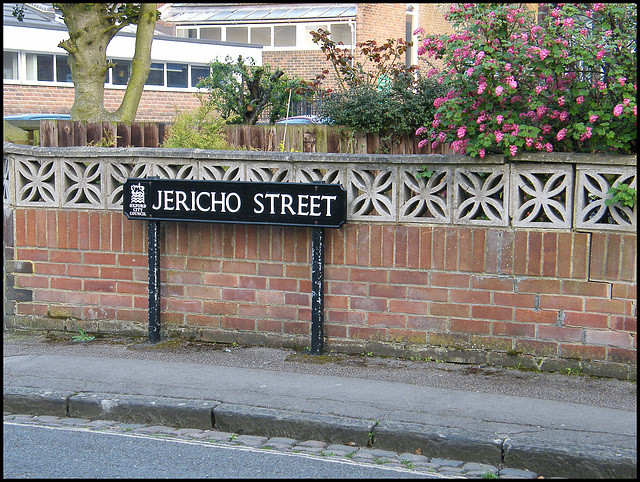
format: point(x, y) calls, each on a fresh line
point(154, 281)
point(314, 205)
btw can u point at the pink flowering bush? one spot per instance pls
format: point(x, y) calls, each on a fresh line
point(568, 83)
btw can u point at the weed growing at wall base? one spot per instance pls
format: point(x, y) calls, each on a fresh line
point(83, 336)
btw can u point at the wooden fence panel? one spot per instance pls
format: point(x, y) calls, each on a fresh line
point(297, 138)
point(65, 133)
point(137, 134)
point(150, 135)
point(48, 133)
point(94, 132)
point(79, 133)
point(124, 134)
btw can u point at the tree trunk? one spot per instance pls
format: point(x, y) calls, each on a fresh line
point(91, 27)
point(140, 64)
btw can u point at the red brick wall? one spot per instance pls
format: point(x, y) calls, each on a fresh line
point(540, 294)
point(156, 106)
point(304, 63)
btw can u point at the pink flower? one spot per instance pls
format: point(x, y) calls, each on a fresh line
point(538, 146)
point(499, 119)
point(544, 54)
point(480, 56)
point(513, 150)
point(561, 100)
point(593, 118)
point(617, 110)
point(568, 23)
point(548, 147)
point(561, 134)
point(580, 100)
point(499, 90)
point(423, 143)
point(622, 80)
point(539, 89)
point(421, 130)
point(461, 132)
point(499, 136)
point(529, 141)
point(481, 152)
point(469, 72)
point(626, 102)
point(563, 115)
point(481, 87)
point(586, 135)
point(600, 54)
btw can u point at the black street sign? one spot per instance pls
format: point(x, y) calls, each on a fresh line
point(273, 203)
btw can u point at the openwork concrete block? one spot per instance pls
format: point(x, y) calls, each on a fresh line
point(542, 195)
point(371, 193)
point(481, 196)
point(593, 184)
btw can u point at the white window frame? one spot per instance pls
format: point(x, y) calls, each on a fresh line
point(21, 72)
point(301, 32)
point(15, 67)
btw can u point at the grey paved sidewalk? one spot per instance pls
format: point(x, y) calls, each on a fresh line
point(549, 424)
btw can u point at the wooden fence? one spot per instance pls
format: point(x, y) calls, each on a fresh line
point(297, 138)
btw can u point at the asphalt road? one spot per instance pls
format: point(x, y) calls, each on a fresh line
point(40, 451)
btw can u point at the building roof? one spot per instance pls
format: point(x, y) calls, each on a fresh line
point(43, 15)
point(192, 13)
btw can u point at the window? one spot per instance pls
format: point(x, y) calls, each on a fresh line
point(261, 35)
point(284, 36)
point(214, 33)
point(10, 69)
point(177, 75)
point(341, 32)
point(198, 72)
point(187, 32)
point(40, 67)
point(156, 75)
point(121, 72)
point(63, 71)
point(308, 39)
point(238, 34)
